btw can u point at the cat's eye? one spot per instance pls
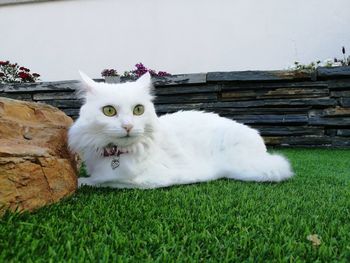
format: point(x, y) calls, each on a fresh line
point(139, 110)
point(109, 111)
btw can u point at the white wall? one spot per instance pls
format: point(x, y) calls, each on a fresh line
point(180, 36)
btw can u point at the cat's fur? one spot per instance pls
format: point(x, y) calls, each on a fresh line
point(180, 148)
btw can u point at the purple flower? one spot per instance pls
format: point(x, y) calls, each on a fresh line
point(12, 72)
point(109, 72)
point(152, 72)
point(163, 74)
point(23, 68)
point(139, 70)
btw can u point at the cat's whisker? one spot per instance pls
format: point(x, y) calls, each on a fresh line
point(112, 131)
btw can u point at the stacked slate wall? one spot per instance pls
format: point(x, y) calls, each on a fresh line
point(288, 108)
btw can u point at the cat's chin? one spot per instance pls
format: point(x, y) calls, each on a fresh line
point(126, 141)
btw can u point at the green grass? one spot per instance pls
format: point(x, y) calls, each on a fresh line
point(221, 221)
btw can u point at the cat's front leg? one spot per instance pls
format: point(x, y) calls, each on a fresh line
point(85, 181)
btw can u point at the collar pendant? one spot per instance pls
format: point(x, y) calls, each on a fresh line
point(115, 162)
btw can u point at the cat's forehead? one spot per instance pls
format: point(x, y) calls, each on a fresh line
point(122, 94)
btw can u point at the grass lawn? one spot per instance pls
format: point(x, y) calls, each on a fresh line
point(221, 221)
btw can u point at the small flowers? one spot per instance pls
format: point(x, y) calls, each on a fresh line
point(109, 73)
point(24, 69)
point(163, 74)
point(326, 63)
point(298, 66)
point(139, 70)
point(4, 63)
point(24, 75)
point(12, 73)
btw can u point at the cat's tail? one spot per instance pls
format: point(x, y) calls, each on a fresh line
point(264, 167)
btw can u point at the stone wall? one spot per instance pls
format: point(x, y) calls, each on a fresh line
point(288, 108)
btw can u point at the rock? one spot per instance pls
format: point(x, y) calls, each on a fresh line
point(188, 98)
point(345, 102)
point(277, 75)
point(181, 79)
point(36, 167)
point(333, 72)
point(177, 90)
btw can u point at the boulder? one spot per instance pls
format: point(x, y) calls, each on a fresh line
point(36, 167)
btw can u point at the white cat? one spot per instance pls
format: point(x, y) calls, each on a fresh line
point(125, 145)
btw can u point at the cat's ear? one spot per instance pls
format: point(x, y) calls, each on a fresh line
point(88, 84)
point(146, 82)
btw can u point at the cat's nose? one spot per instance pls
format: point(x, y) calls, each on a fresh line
point(127, 127)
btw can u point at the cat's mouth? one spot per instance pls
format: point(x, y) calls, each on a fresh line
point(128, 135)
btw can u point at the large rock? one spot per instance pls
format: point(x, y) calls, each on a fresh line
point(36, 167)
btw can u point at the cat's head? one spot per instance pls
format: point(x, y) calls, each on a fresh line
point(121, 114)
